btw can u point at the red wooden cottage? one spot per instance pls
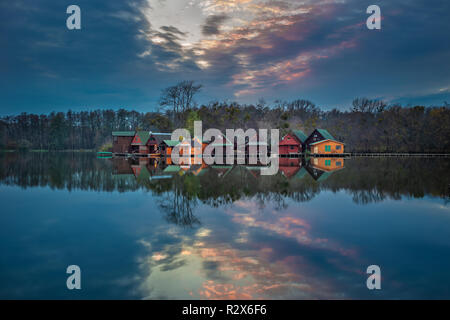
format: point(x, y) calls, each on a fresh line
point(139, 143)
point(145, 142)
point(292, 143)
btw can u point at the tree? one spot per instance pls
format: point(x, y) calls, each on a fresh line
point(180, 98)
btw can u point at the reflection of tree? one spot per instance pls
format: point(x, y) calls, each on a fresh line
point(368, 180)
point(368, 196)
point(178, 206)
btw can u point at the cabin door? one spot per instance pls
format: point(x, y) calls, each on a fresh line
point(316, 150)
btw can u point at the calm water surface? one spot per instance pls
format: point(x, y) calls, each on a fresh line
point(139, 229)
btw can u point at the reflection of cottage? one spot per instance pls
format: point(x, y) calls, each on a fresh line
point(121, 166)
point(222, 171)
point(122, 141)
point(292, 143)
point(320, 141)
point(328, 164)
point(254, 171)
point(137, 167)
point(289, 166)
point(322, 168)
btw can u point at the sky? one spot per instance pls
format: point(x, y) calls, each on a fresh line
point(239, 50)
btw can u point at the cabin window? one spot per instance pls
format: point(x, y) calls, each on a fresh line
point(338, 147)
point(338, 164)
point(327, 148)
point(328, 163)
point(292, 147)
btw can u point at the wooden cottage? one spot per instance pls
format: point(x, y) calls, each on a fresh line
point(122, 141)
point(139, 143)
point(155, 140)
point(292, 143)
point(320, 141)
point(166, 147)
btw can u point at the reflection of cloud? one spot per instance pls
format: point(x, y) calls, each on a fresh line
point(288, 262)
point(288, 226)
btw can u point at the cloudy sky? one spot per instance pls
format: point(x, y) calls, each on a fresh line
point(243, 50)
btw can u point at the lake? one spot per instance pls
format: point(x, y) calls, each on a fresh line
point(139, 229)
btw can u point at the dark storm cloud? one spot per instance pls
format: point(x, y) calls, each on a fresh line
point(173, 30)
point(212, 24)
point(326, 55)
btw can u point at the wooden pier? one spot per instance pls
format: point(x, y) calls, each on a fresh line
point(300, 155)
point(418, 155)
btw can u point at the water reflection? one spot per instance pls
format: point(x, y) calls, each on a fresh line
point(224, 232)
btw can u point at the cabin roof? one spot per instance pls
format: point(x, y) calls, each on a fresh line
point(171, 143)
point(144, 136)
point(160, 136)
point(300, 135)
point(326, 134)
point(321, 141)
point(123, 133)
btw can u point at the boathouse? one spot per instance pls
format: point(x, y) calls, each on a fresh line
point(166, 147)
point(155, 140)
point(320, 141)
point(139, 143)
point(292, 143)
point(122, 141)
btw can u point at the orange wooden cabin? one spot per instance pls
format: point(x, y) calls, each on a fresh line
point(292, 143)
point(327, 147)
point(320, 141)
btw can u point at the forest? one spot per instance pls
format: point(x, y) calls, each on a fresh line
point(364, 126)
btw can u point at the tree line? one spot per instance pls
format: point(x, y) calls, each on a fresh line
point(366, 126)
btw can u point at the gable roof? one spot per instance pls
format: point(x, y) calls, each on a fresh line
point(300, 135)
point(320, 141)
point(123, 133)
point(143, 138)
point(160, 136)
point(326, 134)
point(171, 143)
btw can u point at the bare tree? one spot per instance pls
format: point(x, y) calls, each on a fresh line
point(180, 98)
